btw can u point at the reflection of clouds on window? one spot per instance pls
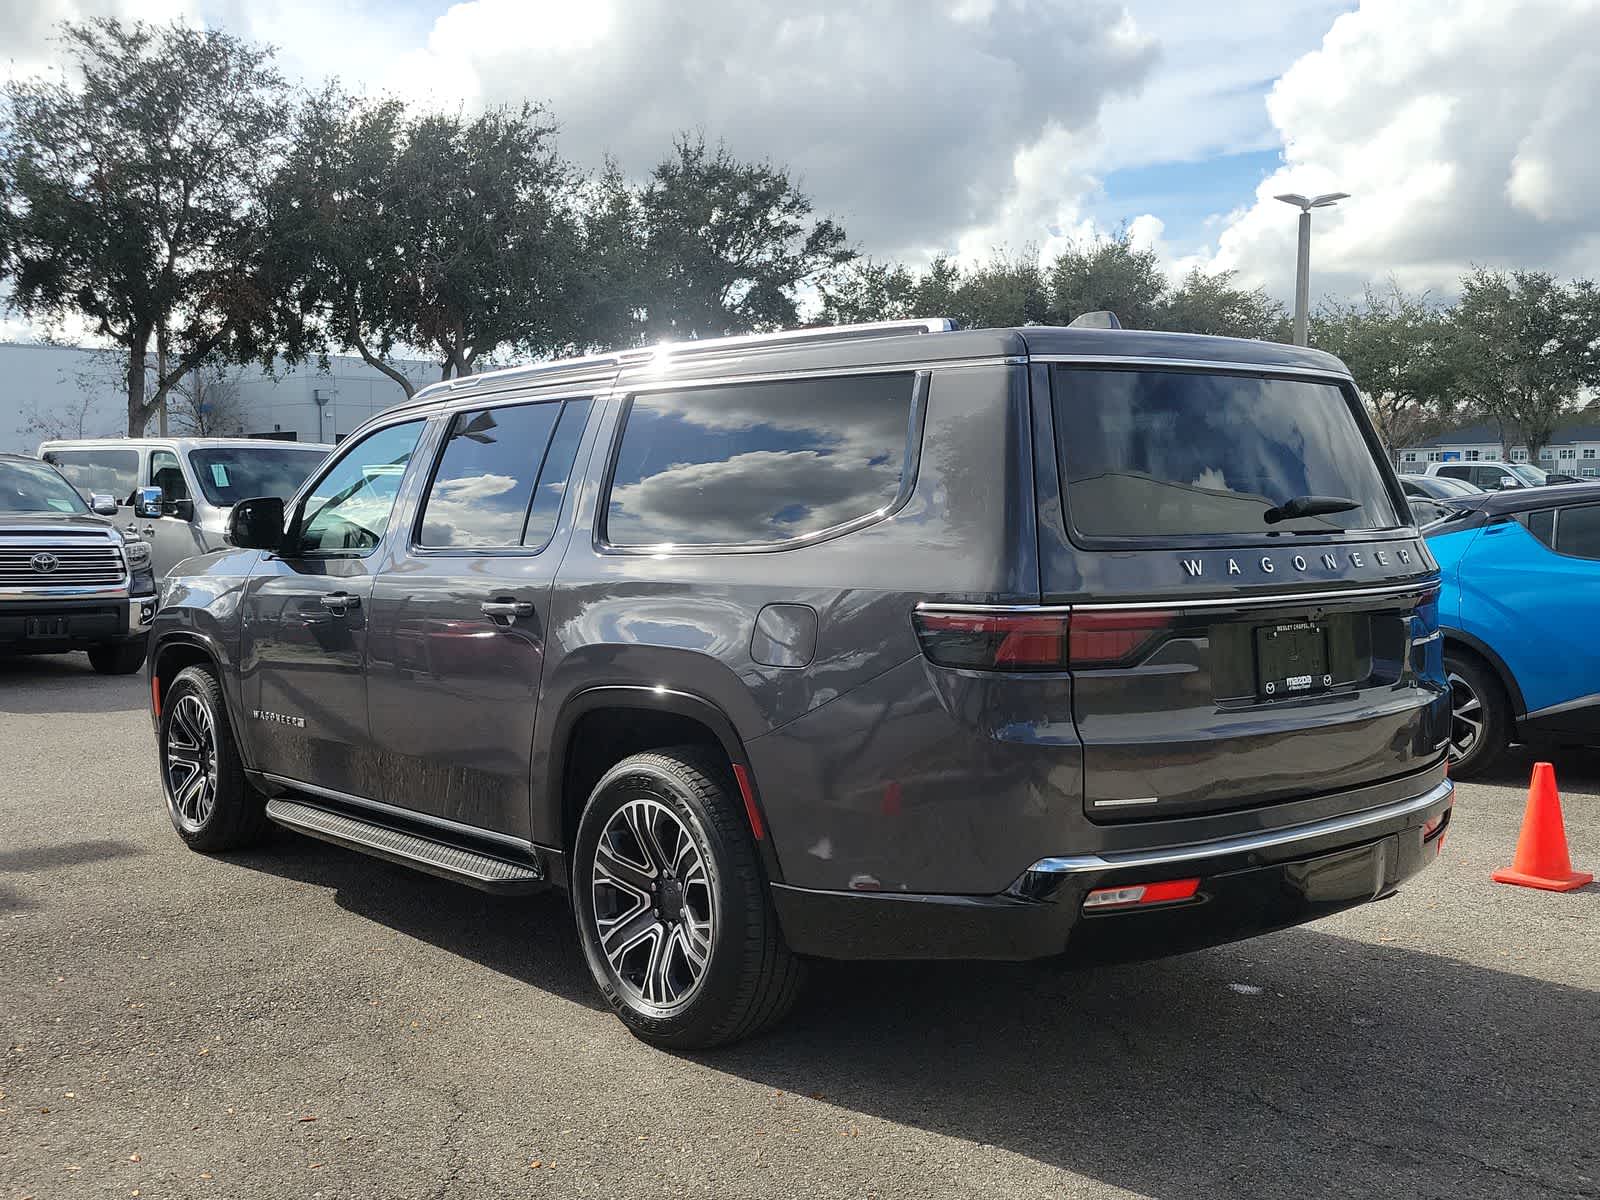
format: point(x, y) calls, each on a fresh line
point(758, 462)
point(475, 511)
point(1212, 479)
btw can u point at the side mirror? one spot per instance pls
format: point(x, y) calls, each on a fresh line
point(182, 509)
point(147, 502)
point(257, 524)
point(102, 505)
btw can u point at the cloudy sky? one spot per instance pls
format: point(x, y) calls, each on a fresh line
point(1464, 130)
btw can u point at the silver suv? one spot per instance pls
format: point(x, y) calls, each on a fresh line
point(176, 493)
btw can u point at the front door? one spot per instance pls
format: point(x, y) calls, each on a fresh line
point(173, 536)
point(460, 616)
point(305, 619)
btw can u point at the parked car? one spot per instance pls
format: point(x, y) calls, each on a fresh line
point(1429, 495)
point(1521, 590)
point(876, 642)
point(1491, 476)
point(68, 579)
point(175, 493)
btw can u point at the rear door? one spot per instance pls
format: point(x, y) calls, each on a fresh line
point(461, 612)
point(1227, 654)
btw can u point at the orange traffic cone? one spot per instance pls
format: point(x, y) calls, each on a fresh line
point(1541, 860)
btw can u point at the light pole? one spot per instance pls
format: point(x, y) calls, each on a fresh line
point(1302, 275)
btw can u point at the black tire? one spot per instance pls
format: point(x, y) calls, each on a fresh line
point(237, 814)
point(117, 658)
point(750, 979)
point(1475, 693)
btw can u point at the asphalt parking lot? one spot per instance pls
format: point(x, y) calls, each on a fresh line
point(303, 1021)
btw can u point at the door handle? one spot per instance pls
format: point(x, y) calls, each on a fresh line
point(507, 608)
point(338, 602)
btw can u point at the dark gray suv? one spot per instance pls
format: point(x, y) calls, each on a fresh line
point(874, 642)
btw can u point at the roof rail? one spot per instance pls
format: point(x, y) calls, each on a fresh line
point(783, 337)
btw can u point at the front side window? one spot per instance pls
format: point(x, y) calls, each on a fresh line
point(1578, 531)
point(502, 474)
point(758, 463)
point(36, 488)
point(1153, 454)
point(349, 508)
point(106, 472)
point(166, 474)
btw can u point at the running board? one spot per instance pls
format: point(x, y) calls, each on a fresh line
point(475, 869)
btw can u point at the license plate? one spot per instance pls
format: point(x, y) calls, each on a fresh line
point(1292, 659)
point(46, 627)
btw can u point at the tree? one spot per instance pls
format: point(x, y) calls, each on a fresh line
point(130, 182)
point(205, 403)
point(441, 232)
point(1522, 347)
point(1108, 273)
point(1396, 344)
point(727, 245)
point(868, 290)
point(1007, 290)
point(1208, 302)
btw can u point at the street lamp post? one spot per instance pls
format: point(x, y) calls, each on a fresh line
point(1302, 274)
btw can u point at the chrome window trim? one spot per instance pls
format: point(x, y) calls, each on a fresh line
point(634, 386)
point(1243, 843)
point(1203, 364)
point(1263, 601)
point(915, 423)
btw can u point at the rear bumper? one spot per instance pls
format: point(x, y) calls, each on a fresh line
point(1249, 884)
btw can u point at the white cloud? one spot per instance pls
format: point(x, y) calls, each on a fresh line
point(28, 27)
point(1464, 135)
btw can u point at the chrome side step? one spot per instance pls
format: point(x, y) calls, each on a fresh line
point(471, 867)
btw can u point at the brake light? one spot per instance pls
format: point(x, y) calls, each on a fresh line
point(1036, 639)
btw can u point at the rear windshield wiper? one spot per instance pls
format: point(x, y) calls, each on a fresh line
point(1309, 506)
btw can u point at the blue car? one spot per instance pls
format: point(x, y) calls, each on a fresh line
point(1518, 609)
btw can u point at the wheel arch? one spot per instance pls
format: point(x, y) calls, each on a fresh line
point(600, 726)
point(176, 651)
point(1508, 681)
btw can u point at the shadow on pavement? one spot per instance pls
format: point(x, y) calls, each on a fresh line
point(65, 683)
point(70, 854)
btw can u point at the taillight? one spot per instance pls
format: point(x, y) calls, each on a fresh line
point(1037, 640)
point(1169, 891)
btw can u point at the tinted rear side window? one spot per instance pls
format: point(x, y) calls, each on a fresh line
point(758, 463)
point(1578, 531)
point(1542, 524)
point(108, 472)
point(1163, 454)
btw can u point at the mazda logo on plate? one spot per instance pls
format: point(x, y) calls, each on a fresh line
point(43, 563)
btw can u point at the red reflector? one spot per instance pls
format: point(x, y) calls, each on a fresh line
point(1108, 638)
point(155, 694)
point(742, 778)
point(1138, 894)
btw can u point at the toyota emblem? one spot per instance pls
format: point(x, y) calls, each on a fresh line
point(44, 563)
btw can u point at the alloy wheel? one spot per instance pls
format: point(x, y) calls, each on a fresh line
point(653, 904)
point(1466, 717)
point(191, 762)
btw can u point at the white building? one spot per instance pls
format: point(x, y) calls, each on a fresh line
point(1574, 449)
point(66, 391)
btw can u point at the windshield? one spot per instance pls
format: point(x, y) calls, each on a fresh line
point(1445, 485)
point(1532, 476)
point(229, 474)
point(26, 488)
point(1152, 454)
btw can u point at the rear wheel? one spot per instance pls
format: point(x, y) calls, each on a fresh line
point(117, 658)
point(672, 905)
point(1480, 716)
point(212, 805)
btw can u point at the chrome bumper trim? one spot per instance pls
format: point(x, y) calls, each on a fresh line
point(141, 612)
point(1244, 843)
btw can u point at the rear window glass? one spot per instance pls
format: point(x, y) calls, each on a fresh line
point(1578, 531)
point(1161, 454)
point(758, 463)
point(1541, 523)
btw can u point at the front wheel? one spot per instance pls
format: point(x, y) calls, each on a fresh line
point(672, 905)
point(117, 658)
point(212, 805)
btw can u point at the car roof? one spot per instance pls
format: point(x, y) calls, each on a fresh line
point(175, 443)
point(884, 345)
point(1515, 500)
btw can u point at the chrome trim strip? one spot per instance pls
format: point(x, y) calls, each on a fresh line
point(627, 385)
point(1113, 360)
point(926, 606)
point(405, 814)
point(1126, 803)
point(117, 591)
point(1244, 843)
point(1588, 701)
point(1172, 602)
point(782, 337)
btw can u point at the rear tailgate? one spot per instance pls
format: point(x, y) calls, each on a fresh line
point(1221, 659)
